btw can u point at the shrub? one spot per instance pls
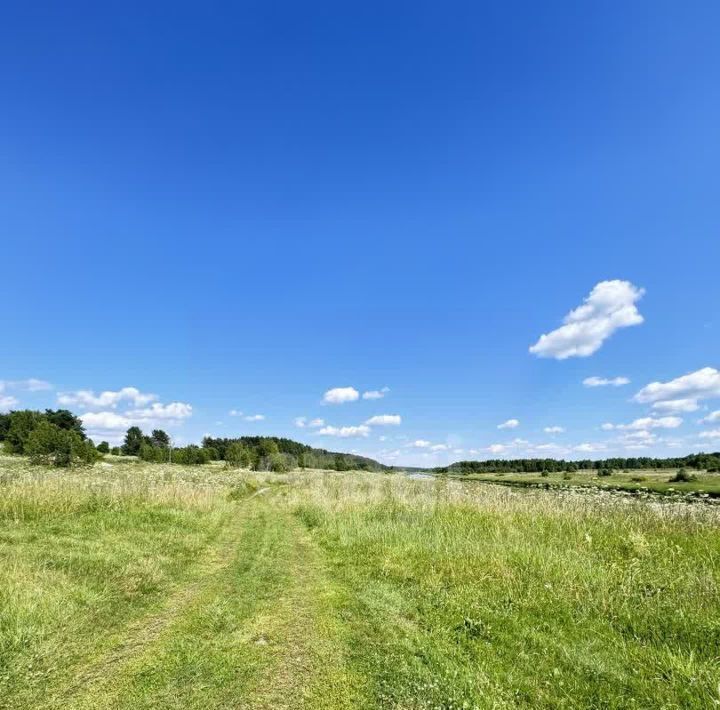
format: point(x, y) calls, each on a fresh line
point(103, 447)
point(567, 476)
point(49, 444)
point(638, 479)
point(682, 476)
point(237, 456)
point(604, 472)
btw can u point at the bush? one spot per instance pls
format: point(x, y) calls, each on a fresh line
point(190, 455)
point(103, 447)
point(604, 472)
point(22, 424)
point(682, 476)
point(567, 476)
point(237, 456)
point(638, 479)
point(544, 474)
point(48, 444)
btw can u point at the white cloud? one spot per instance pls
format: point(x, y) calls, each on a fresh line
point(554, 429)
point(7, 402)
point(384, 420)
point(340, 395)
point(30, 385)
point(509, 424)
point(375, 394)
point(646, 423)
point(496, 448)
point(106, 421)
point(254, 417)
point(676, 405)
point(345, 432)
point(108, 398)
point(712, 434)
point(610, 306)
point(549, 447)
point(302, 422)
point(683, 392)
point(439, 447)
point(712, 417)
point(590, 447)
point(605, 381)
point(174, 410)
point(421, 444)
point(235, 413)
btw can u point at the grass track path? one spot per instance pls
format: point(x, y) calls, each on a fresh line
point(252, 629)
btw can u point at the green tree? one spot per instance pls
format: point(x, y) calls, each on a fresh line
point(237, 456)
point(65, 419)
point(22, 424)
point(133, 441)
point(160, 439)
point(103, 447)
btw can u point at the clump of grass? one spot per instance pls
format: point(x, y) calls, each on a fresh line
point(638, 479)
point(682, 476)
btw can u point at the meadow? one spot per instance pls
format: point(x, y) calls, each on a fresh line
point(651, 481)
point(137, 585)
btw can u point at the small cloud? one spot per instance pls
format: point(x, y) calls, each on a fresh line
point(606, 381)
point(439, 447)
point(235, 413)
point(554, 429)
point(375, 394)
point(109, 398)
point(608, 307)
point(496, 448)
point(712, 417)
point(712, 434)
point(384, 420)
point(509, 424)
point(682, 392)
point(345, 432)
point(302, 422)
point(421, 444)
point(340, 395)
point(590, 447)
point(254, 417)
point(646, 423)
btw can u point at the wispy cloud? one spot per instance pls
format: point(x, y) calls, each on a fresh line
point(606, 381)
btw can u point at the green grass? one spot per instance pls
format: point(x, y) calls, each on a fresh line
point(651, 481)
point(157, 586)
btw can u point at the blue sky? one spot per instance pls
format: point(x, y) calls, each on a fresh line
point(239, 207)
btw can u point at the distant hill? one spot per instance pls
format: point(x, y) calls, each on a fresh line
point(304, 455)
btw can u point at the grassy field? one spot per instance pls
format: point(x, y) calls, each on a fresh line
point(159, 586)
point(651, 481)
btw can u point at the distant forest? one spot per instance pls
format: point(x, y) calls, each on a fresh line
point(57, 437)
point(709, 462)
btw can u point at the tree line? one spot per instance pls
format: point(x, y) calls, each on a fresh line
point(57, 437)
point(702, 461)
